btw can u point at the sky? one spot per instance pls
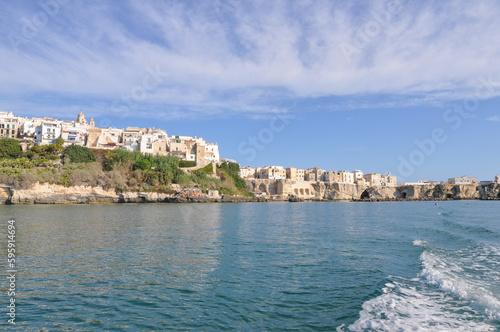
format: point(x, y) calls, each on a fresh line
point(411, 87)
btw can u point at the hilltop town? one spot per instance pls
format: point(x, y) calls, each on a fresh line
point(46, 130)
point(275, 182)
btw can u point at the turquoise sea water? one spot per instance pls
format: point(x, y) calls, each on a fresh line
point(256, 266)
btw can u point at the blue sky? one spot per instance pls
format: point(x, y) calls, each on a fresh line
point(402, 86)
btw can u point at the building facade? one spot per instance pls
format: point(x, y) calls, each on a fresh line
point(462, 180)
point(9, 125)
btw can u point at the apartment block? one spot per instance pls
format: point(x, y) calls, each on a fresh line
point(462, 180)
point(9, 125)
point(272, 172)
point(246, 172)
point(296, 174)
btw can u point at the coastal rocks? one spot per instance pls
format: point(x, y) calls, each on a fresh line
point(379, 193)
point(338, 191)
point(489, 192)
point(5, 195)
point(238, 199)
point(294, 198)
point(465, 192)
point(142, 197)
point(55, 194)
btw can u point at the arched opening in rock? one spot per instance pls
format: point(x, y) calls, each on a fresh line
point(449, 196)
point(404, 195)
point(262, 188)
point(365, 195)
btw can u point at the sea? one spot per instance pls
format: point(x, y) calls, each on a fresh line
point(314, 266)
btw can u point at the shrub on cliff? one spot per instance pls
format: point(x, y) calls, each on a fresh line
point(9, 148)
point(27, 179)
point(232, 170)
point(187, 163)
point(142, 164)
point(79, 154)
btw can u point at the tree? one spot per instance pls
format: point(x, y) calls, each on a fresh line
point(9, 148)
point(143, 164)
point(79, 154)
point(59, 143)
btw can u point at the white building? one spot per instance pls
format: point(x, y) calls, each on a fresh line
point(346, 177)
point(462, 180)
point(330, 176)
point(373, 179)
point(131, 138)
point(497, 179)
point(28, 127)
point(9, 125)
point(389, 180)
point(74, 133)
point(48, 132)
point(104, 138)
point(272, 173)
point(212, 152)
point(246, 172)
point(358, 175)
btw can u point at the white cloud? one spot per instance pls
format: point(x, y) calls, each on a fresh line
point(495, 118)
point(227, 56)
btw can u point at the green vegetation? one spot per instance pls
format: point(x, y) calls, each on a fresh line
point(231, 170)
point(187, 163)
point(119, 169)
point(9, 148)
point(78, 154)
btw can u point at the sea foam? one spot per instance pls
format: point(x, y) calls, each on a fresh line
point(403, 307)
point(465, 276)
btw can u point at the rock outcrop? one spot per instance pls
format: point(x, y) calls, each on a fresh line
point(5, 194)
point(55, 194)
point(353, 192)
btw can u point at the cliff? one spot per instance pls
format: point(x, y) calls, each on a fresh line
point(353, 192)
point(56, 194)
point(46, 193)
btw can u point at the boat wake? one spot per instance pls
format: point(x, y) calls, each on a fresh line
point(456, 290)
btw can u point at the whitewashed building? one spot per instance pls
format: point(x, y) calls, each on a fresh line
point(47, 132)
point(346, 177)
point(462, 180)
point(246, 172)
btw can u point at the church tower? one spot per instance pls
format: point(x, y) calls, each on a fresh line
point(81, 118)
point(92, 123)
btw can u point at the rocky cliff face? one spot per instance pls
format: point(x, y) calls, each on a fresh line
point(5, 194)
point(434, 192)
point(344, 191)
point(55, 194)
point(488, 192)
point(337, 191)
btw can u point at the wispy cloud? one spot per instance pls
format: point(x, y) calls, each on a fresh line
point(231, 57)
point(495, 118)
